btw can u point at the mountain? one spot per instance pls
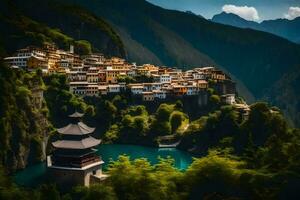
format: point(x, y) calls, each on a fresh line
point(192, 13)
point(285, 93)
point(145, 33)
point(234, 20)
point(23, 24)
point(289, 29)
point(179, 39)
point(173, 38)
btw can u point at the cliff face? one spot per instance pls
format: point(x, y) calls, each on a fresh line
point(23, 124)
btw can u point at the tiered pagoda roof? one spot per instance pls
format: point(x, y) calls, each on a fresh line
point(86, 143)
point(76, 115)
point(76, 135)
point(76, 129)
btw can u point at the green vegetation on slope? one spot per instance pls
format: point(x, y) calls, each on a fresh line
point(64, 24)
point(60, 101)
point(257, 157)
point(23, 124)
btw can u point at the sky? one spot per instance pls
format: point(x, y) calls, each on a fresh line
point(254, 10)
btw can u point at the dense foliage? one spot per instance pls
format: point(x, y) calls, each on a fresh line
point(60, 101)
point(23, 24)
point(23, 122)
point(255, 158)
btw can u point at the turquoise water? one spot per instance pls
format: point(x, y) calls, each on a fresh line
point(33, 175)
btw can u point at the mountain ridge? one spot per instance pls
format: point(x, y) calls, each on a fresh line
point(289, 29)
point(55, 22)
point(245, 53)
point(178, 39)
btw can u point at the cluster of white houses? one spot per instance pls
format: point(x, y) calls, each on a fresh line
point(95, 75)
point(90, 80)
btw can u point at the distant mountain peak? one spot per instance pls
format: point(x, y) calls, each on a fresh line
point(233, 20)
point(289, 29)
point(192, 13)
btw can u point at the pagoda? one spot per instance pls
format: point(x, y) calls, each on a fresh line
point(74, 160)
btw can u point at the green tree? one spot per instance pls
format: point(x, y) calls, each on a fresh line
point(83, 47)
point(215, 99)
point(95, 192)
point(163, 112)
point(176, 120)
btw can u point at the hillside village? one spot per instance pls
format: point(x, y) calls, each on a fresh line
point(96, 75)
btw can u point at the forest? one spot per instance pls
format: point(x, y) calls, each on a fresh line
point(255, 158)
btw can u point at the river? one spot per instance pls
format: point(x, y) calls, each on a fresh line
point(33, 175)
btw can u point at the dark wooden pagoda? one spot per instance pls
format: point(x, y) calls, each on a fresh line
point(74, 160)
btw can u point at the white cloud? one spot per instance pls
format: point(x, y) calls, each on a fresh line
point(248, 13)
point(292, 13)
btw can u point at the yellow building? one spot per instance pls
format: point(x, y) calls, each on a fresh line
point(112, 75)
point(35, 62)
point(202, 84)
point(52, 55)
point(179, 90)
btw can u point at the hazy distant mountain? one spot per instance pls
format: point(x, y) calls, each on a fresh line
point(233, 20)
point(289, 29)
point(192, 13)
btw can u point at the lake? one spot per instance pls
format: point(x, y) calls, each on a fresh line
point(33, 175)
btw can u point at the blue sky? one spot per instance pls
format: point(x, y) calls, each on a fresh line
point(266, 9)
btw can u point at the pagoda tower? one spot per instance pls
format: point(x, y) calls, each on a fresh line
point(74, 160)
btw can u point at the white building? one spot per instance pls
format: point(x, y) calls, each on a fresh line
point(165, 78)
point(78, 87)
point(192, 90)
point(103, 89)
point(160, 94)
point(64, 63)
point(199, 76)
point(136, 89)
point(22, 56)
point(114, 88)
point(132, 73)
point(228, 99)
point(77, 76)
point(156, 86)
point(147, 87)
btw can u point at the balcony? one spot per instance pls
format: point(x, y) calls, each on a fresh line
point(74, 162)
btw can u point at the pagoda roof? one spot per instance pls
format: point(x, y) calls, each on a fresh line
point(76, 129)
point(73, 144)
point(76, 115)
